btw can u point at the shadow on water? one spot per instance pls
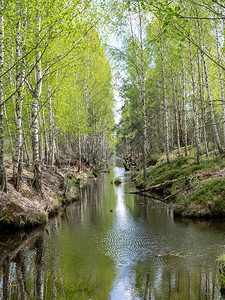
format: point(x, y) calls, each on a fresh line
point(113, 245)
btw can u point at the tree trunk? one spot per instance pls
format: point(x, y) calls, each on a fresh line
point(165, 108)
point(51, 156)
point(184, 107)
point(195, 107)
point(3, 179)
point(202, 97)
point(45, 138)
point(175, 111)
point(18, 157)
point(35, 146)
point(36, 96)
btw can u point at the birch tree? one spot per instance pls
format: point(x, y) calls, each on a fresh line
point(20, 75)
point(195, 107)
point(165, 106)
point(3, 180)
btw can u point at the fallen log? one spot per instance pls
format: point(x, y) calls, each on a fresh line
point(157, 186)
point(174, 194)
point(135, 178)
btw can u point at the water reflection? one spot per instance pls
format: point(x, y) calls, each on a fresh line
point(113, 245)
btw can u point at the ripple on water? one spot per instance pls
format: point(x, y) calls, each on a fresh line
point(126, 246)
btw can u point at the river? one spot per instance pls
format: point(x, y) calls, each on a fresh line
point(113, 245)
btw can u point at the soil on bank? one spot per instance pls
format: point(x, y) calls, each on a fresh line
point(27, 208)
point(195, 190)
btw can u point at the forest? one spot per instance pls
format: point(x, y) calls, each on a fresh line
point(173, 90)
point(53, 93)
point(59, 74)
point(173, 115)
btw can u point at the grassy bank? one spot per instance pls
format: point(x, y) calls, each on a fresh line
point(199, 190)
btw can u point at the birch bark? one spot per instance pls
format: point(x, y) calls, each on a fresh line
point(20, 74)
point(202, 97)
point(3, 179)
point(195, 107)
point(34, 130)
point(184, 107)
point(51, 146)
point(175, 111)
point(165, 106)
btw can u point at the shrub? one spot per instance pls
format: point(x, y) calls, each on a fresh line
point(117, 181)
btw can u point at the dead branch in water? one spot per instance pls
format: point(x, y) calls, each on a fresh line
point(157, 186)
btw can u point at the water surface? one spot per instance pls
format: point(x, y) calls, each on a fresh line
point(113, 245)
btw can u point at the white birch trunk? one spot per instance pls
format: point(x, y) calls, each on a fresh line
point(36, 96)
point(3, 179)
point(195, 107)
point(204, 114)
point(202, 97)
point(51, 146)
point(184, 107)
point(18, 157)
point(165, 108)
point(175, 111)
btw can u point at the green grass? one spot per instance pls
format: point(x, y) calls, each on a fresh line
point(198, 198)
point(210, 194)
point(183, 166)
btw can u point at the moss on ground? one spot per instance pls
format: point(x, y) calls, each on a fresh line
point(206, 200)
point(203, 195)
point(183, 166)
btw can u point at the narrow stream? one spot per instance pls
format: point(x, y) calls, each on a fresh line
point(113, 245)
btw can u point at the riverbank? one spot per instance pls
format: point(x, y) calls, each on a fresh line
point(195, 190)
point(27, 208)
